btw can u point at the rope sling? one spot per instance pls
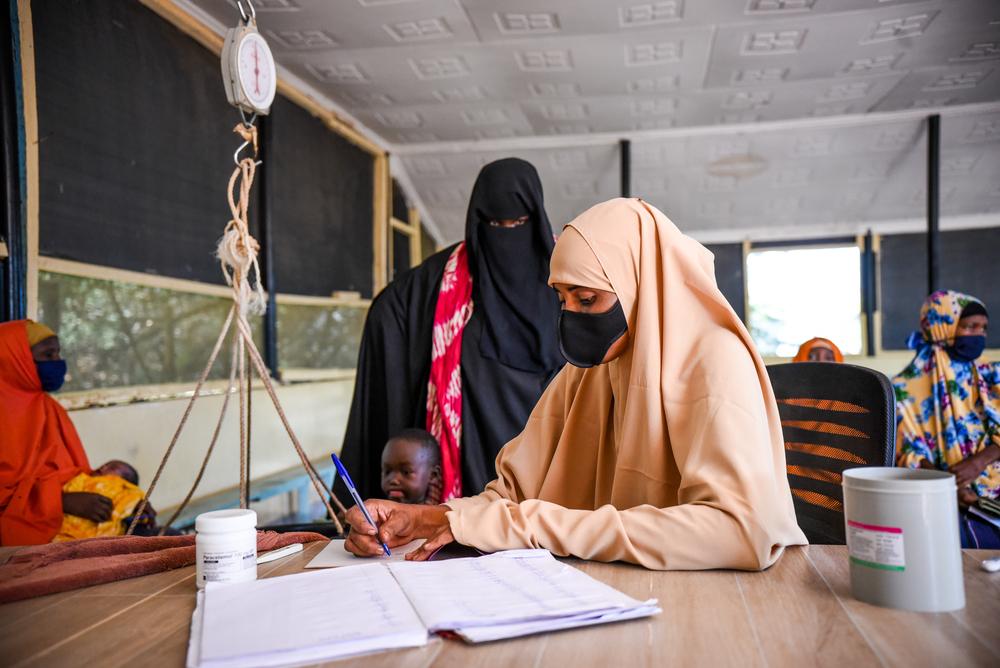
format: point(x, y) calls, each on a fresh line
point(237, 252)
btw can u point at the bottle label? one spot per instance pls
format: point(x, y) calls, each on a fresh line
point(876, 546)
point(227, 566)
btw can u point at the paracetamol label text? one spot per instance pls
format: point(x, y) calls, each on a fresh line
point(876, 546)
point(224, 566)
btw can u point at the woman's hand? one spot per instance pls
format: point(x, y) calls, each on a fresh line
point(970, 468)
point(88, 505)
point(966, 497)
point(398, 524)
point(442, 537)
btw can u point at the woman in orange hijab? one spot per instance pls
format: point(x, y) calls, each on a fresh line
point(39, 447)
point(819, 350)
point(659, 444)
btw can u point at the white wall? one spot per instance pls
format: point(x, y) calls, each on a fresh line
point(140, 432)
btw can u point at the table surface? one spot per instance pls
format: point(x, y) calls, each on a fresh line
point(799, 612)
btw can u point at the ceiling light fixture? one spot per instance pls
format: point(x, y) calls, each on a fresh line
point(737, 166)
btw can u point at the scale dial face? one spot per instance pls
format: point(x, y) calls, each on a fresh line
point(255, 68)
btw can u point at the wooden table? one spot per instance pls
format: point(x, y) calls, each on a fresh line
point(800, 612)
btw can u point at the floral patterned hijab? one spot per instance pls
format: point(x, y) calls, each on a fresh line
point(947, 410)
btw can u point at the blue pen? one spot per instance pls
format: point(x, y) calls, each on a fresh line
point(342, 472)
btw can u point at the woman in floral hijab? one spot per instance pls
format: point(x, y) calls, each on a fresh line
point(948, 406)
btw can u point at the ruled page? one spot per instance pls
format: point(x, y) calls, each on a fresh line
point(504, 588)
point(309, 616)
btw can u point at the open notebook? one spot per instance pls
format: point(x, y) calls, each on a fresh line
point(326, 614)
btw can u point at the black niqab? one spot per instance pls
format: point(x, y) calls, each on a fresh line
point(510, 349)
point(510, 267)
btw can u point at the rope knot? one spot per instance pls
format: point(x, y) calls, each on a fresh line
point(237, 249)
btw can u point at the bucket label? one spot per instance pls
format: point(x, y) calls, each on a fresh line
point(875, 546)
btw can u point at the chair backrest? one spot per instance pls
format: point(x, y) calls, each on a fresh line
point(834, 417)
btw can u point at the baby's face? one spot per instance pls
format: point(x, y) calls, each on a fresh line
point(115, 468)
point(406, 473)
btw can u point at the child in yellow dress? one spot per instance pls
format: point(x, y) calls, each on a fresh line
point(114, 480)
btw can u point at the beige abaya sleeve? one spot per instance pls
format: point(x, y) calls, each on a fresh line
point(726, 512)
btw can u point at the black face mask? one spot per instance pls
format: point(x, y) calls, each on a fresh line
point(967, 348)
point(585, 338)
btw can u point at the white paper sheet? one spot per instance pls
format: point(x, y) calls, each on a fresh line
point(308, 617)
point(502, 631)
point(194, 639)
point(514, 587)
point(376, 605)
point(334, 555)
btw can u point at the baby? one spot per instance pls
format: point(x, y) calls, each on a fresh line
point(117, 467)
point(411, 468)
point(114, 486)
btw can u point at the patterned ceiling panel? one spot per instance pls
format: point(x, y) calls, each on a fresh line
point(450, 84)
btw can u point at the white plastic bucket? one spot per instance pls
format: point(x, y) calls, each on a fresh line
point(903, 539)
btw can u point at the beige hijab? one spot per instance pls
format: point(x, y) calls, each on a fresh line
point(670, 456)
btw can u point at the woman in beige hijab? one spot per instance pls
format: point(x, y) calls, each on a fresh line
point(665, 451)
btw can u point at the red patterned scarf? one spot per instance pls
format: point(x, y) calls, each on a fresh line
point(444, 386)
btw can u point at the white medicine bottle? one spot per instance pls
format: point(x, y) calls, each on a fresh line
point(226, 546)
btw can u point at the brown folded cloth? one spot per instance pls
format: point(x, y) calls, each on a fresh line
point(56, 567)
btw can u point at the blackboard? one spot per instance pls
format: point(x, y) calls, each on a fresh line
point(136, 146)
point(320, 187)
point(400, 211)
point(135, 140)
point(427, 244)
point(400, 252)
point(729, 275)
point(967, 263)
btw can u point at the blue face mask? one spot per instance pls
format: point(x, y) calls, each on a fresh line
point(967, 348)
point(52, 373)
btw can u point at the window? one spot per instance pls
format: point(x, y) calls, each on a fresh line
point(320, 337)
point(116, 334)
point(795, 294)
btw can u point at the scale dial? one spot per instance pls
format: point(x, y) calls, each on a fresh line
point(248, 70)
point(255, 67)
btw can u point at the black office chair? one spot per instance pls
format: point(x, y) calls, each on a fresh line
point(834, 417)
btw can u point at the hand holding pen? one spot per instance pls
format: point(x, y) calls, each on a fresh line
point(398, 524)
point(342, 472)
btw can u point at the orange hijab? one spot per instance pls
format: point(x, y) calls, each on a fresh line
point(39, 447)
point(818, 342)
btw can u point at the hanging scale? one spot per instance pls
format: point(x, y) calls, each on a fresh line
point(248, 70)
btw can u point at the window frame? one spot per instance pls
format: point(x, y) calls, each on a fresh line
point(870, 280)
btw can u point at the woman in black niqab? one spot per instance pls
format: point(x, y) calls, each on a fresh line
point(509, 264)
point(509, 349)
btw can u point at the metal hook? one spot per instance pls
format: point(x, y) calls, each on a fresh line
point(243, 13)
point(247, 123)
point(236, 155)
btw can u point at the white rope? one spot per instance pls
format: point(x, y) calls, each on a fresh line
point(237, 252)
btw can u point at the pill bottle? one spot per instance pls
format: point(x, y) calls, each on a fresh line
point(226, 546)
